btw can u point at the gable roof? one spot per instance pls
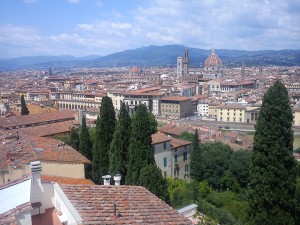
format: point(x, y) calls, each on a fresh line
point(36, 118)
point(134, 205)
point(160, 138)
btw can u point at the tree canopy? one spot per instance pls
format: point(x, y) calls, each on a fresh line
point(118, 155)
point(24, 109)
point(105, 128)
point(140, 149)
point(272, 170)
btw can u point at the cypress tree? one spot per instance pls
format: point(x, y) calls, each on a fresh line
point(24, 109)
point(118, 155)
point(96, 176)
point(196, 158)
point(74, 142)
point(140, 151)
point(272, 170)
point(85, 146)
point(152, 179)
point(105, 128)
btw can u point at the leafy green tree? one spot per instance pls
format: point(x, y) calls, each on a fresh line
point(85, 146)
point(24, 109)
point(215, 161)
point(140, 149)
point(105, 128)
point(118, 155)
point(196, 162)
point(204, 189)
point(273, 170)
point(239, 166)
point(230, 182)
point(186, 136)
point(151, 178)
point(74, 138)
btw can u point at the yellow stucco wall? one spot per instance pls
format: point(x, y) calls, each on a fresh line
point(297, 118)
point(63, 169)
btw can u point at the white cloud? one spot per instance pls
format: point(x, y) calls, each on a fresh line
point(233, 24)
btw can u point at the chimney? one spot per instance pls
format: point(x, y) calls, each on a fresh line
point(117, 179)
point(35, 167)
point(106, 179)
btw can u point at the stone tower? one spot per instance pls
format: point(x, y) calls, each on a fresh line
point(186, 62)
point(179, 67)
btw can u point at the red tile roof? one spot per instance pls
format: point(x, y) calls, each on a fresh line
point(66, 180)
point(36, 118)
point(159, 138)
point(175, 143)
point(50, 129)
point(134, 205)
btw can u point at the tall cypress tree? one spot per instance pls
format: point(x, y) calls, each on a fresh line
point(140, 151)
point(96, 175)
point(152, 179)
point(118, 155)
point(196, 158)
point(105, 128)
point(74, 142)
point(272, 170)
point(24, 109)
point(85, 146)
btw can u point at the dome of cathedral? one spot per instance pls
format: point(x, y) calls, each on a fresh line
point(134, 70)
point(213, 60)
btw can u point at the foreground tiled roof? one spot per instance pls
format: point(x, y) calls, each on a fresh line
point(66, 180)
point(134, 205)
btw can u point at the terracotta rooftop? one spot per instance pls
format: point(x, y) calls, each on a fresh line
point(175, 143)
point(177, 130)
point(36, 118)
point(159, 138)
point(24, 148)
point(134, 205)
point(66, 180)
point(50, 129)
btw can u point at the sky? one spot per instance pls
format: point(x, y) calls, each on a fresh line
point(102, 27)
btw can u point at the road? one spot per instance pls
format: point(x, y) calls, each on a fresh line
point(226, 125)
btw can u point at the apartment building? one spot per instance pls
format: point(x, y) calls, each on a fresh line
point(117, 98)
point(172, 155)
point(176, 107)
point(231, 113)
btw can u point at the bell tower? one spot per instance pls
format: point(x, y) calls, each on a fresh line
point(186, 62)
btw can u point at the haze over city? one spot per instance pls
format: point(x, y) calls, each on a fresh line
point(87, 27)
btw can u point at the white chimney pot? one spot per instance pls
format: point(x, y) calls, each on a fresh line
point(106, 179)
point(117, 179)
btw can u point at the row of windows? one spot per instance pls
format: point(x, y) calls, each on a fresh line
point(185, 158)
point(234, 119)
point(233, 114)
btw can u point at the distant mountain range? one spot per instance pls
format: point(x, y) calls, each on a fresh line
point(156, 56)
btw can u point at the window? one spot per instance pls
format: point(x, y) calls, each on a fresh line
point(153, 149)
point(165, 145)
point(176, 172)
point(165, 161)
point(165, 174)
point(186, 168)
point(185, 156)
point(175, 158)
point(227, 118)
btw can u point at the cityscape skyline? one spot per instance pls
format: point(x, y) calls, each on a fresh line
point(82, 27)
